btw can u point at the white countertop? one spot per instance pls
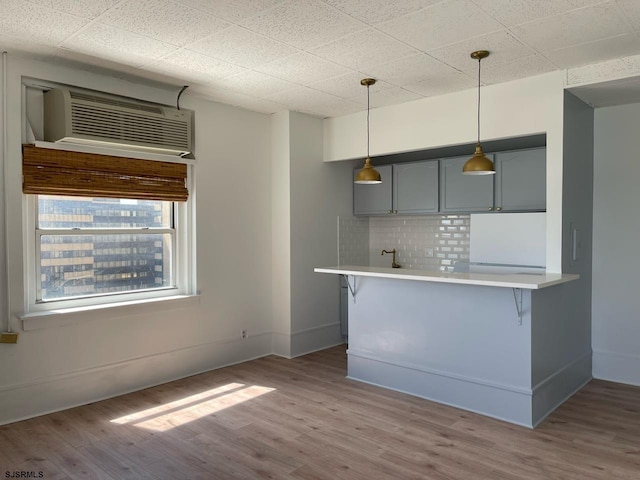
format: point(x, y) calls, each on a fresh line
point(510, 277)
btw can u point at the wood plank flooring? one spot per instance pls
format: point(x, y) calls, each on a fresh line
point(301, 419)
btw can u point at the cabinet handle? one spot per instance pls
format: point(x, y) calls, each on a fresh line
point(390, 211)
point(395, 211)
point(490, 208)
point(499, 209)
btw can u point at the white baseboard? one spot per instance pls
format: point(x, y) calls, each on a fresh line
point(59, 392)
point(307, 341)
point(315, 338)
point(281, 344)
point(616, 367)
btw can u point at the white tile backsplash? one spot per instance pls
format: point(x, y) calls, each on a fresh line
point(361, 240)
point(353, 240)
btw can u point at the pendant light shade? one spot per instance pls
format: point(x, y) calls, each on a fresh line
point(479, 164)
point(367, 174)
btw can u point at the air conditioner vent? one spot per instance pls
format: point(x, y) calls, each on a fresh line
point(77, 117)
point(127, 126)
point(114, 102)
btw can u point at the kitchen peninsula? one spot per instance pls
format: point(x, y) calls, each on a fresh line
point(496, 343)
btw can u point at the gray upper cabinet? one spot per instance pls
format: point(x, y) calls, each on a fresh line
point(374, 199)
point(415, 187)
point(521, 179)
point(464, 193)
point(432, 186)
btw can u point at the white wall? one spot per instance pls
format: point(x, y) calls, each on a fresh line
point(97, 356)
point(616, 230)
point(320, 192)
point(308, 196)
point(523, 107)
point(281, 233)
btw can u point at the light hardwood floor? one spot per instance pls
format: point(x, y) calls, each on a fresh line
point(301, 419)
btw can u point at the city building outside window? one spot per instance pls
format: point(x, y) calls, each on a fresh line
point(89, 247)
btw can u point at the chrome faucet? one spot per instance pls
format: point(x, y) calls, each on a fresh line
point(393, 259)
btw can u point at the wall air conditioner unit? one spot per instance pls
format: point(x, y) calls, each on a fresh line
point(87, 118)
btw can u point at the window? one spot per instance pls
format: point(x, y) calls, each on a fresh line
point(104, 229)
point(100, 246)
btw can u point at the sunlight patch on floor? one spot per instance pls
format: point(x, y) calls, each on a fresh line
point(180, 412)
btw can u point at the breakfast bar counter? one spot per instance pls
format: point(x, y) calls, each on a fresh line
point(501, 343)
point(511, 277)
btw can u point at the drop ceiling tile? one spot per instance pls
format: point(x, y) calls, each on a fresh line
point(335, 108)
point(348, 86)
point(231, 10)
point(23, 47)
point(631, 10)
point(92, 63)
point(515, 69)
point(376, 11)
point(255, 84)
point(238, 99)
point(193, 66)
point(441, 84)
point(239, 46)
point(598, 51)
point(22, 19)
point(616, 68)
point(409, 70)
point(302, 68)
point(574, 27)
point(389, 96)
point(303, 98)
point(515, 12)
point(80, 8)
point(303, 24)
point(442, 24)
point(502, 46)
point(117, 45)
point(163, 20)
point(322, 105)
point(364, 49)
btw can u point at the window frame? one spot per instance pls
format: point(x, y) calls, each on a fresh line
point(183, 270)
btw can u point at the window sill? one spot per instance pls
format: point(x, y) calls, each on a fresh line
point(67, 316)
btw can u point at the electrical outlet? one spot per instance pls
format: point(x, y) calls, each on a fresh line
point(429, 252)
point(244, 334)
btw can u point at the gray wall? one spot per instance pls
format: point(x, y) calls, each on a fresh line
point(308, 195)
point(616, 231)
point(320, 192)
point(561, 315)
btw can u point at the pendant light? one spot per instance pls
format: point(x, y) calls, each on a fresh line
point(479, 164)
point(367, 174)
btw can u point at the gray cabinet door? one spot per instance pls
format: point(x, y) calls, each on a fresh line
point(521, 179)
point(464, 193)
point(373, 199)
point(415, 187)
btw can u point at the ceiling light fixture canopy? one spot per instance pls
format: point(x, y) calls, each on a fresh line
point(479, 164)
point(367, 174)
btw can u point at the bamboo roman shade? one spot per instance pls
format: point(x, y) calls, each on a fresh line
point(59, 172)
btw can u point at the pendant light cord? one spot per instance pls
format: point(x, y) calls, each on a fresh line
point(368, 110)
point(479, 61)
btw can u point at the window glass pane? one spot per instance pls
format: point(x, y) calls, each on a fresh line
point(78, 265)
point(82, 212)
